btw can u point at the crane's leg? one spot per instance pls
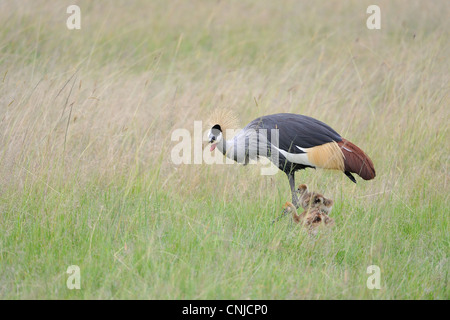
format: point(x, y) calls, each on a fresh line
point(295, 200)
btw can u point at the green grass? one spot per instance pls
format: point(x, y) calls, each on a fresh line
point(86, 177)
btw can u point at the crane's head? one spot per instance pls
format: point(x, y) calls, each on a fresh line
point(215, 136)
point(313, 199)
point(221, 120)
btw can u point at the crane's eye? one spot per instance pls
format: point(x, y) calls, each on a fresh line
point(317, 200)
point(213, 138)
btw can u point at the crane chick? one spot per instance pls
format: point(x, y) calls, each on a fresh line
point(310, 200)
point(311, 218)
point(313, 200)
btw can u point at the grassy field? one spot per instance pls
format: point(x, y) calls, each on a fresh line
point(86, 177)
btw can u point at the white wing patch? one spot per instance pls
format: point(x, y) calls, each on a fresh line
point(302, 149)
point(300, 158)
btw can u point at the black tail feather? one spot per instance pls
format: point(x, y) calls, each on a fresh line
point(350, 176)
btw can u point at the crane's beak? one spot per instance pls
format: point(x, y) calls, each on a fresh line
point(212, 139)
point(212, 147)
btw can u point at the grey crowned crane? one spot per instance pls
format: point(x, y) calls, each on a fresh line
point(292, 142)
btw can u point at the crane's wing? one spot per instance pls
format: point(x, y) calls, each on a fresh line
point(295, 131)
point(309, 142)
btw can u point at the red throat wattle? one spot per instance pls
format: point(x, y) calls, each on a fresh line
point(213, 146)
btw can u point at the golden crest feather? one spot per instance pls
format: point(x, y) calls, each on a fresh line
point(225, 118)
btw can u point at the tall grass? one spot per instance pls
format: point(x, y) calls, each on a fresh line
point(86, 178)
